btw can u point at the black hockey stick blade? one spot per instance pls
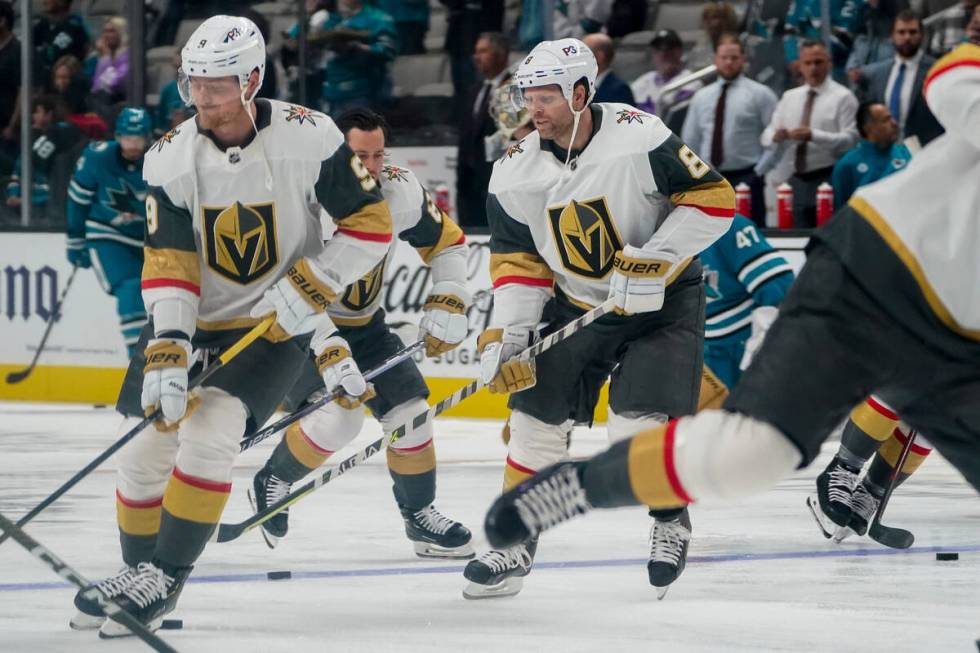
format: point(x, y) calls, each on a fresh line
point(893, 538)
point(60, 567)
point(20, 375)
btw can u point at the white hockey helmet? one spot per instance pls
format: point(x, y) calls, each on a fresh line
point(563, 62)
point(222, 46)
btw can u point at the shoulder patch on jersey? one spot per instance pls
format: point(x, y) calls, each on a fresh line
point(166, 139)
point(516, 148)
point(99, 146)
point(629, 116)
point(394, 173)
point(301, 114)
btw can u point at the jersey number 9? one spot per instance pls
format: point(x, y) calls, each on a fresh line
point(367, 181)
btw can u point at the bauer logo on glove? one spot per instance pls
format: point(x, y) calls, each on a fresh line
point(444, 323)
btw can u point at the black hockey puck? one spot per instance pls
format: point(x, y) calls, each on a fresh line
point(172, 624)
point(98, 406)
point(279, 575)
point(947, 556)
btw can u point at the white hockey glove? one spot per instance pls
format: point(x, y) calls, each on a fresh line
point(340, 371)
point(165, 377)
point(444, 323)
point(299, 300)
point(762, 319)
point(500, 370)
point(638, 282)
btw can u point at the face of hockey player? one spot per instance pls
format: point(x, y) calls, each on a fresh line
point(218, 101)
point(133, 147)
point(814, 65)
point(881, 128)
point(369, 146)
point(729, 60)
point(907, 37)
point(550, 113)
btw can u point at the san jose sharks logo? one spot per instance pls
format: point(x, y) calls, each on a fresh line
point(127, 202)
point(585, 237)
point(302, 114)
point(240, 240)
point(630, 116)
point(394, 173)
point(711, 291)
point(166, 139)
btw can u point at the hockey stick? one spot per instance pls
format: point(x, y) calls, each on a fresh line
point(60, 567)
point(227, 532)
point(895, 538)
point(205, 374)
point(251, 440)
point(20, 375)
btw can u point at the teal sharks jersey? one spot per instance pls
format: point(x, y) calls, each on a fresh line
point(107, 196)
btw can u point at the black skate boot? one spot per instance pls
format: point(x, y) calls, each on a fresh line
point(90, 615)
point(267, 488)
point(436, 536)
point(552, 496)
point(831, 505)
point(669, 540)
point(150, 594)
point(864, 505)
point(499, 573)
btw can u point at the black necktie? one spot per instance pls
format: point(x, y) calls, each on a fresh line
point(718, 138)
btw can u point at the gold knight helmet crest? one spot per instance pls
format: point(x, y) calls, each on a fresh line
point(585, 236)
point(241, 240)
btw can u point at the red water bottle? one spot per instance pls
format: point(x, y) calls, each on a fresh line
point(784, 206)
point(442, 198)
point(743, 200)
point(825, 203)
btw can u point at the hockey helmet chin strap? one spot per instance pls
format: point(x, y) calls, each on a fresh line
point(576, 116)
point(258, 137)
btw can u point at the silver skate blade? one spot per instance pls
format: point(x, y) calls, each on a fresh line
point(842, 534)
point(662, 592)
point(82, 621)
point(823, 522)
point(113, 629)
point(434, 551)
point(270, 540)
point(507, 587)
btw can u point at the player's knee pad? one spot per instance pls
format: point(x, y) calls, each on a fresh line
point(620, 427)
point(723, 455)
point(535, 444)
point(145, 462)
point(333, 427)
point(210, 437)
point(403, 413)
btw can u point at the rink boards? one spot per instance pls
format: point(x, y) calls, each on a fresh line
point(85, 359)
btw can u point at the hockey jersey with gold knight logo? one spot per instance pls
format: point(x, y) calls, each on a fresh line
point(224, 224)
point(634, 183)
point(418, 221)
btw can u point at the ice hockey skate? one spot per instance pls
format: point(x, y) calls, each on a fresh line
point(499, 573)
point(266, 490)
point(90, 615)
point(436, 536)
point(831, 504)
point(669, 540)
point(150, 594)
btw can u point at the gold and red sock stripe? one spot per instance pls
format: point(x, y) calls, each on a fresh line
point(195, 499)
point(892, 450)
point(412, 461)
point(875, 419)
point(515, 473)
point(652, 473)
point(306, 452)
point(138, 516)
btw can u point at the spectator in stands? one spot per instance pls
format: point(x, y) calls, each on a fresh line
point(364, 41)
point(725, 121)
point(668, 65)
point(473, 164)
point(51, 136)
point(317, 55)
point(973, 27)
point(897, 83)
point(70, 85)
point(112, 65)
point(269, 81)
point(872, 43)
point(576, 18)
point(466, 21)
point(813, 125)
point(171, 110)
point(950, 28)
point(804, 22)
point(877, 155)
point(9, 89)
point(58, 32)
point(717, 18)
point(609, 86)
point(412, 22)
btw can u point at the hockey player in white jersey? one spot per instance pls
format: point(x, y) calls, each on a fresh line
point(886, 304)
point(233, 234)
point(602, 201)
point(400, 393)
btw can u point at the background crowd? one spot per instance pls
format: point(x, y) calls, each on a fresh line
point(767, 90)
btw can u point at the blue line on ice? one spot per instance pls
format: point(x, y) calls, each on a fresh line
point(570, 564)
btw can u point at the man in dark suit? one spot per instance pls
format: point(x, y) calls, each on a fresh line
point(897, 82)
point(609, 86)
point(472, 167)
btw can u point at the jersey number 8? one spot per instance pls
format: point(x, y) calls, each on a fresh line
point(151, 215)
point(692, 162)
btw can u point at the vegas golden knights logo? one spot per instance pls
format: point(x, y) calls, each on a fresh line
point(586, 237)
point(240, 240)
point(362, 293)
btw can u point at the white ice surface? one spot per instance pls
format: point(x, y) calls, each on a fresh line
point(759, 578)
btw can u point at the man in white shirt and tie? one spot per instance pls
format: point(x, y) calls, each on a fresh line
point(897, 82)
point(813, 126)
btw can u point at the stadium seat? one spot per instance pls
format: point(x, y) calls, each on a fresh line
point(411, 71)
